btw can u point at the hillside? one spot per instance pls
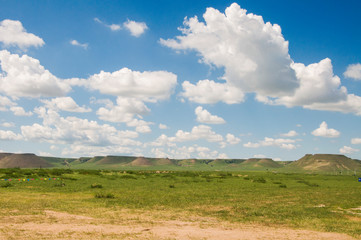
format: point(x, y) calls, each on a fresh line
point(330, 163)
point(325, 163)
point(26, 160)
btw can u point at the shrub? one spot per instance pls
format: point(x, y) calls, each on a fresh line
point(104, 195)
point(283, 186)
point(171, 186)
point(6, 185)
point(96, 185)
point(259, 180)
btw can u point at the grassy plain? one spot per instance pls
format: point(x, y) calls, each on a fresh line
point(325, 203)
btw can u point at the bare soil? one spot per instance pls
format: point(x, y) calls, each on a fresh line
point(128, 224)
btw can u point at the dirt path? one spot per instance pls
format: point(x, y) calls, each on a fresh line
point(58, 225)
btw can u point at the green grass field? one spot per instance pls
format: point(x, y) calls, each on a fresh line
point(303, 201)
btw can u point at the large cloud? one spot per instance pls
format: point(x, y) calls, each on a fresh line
point(255, 58)
point(254, 54)
point(9, 135)
point(23, 76)
point(12, 33)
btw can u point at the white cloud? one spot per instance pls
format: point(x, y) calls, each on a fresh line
point(7, 124)
point(353, 71)
point(76, 43)
point(318, 85)
point(259, 156)
point(9, 135)
point(64, 104)
point(324, 131)
point(162, 126)
point(159, 153)
point(147, 86)
point(231, 139)
point(278, 142)
point(208, 92)
point(203, 116)
point(162, 140)
point(19, 111)
point(254, 54)
point(356, 140)
point(45, 154)
point(198, 132)
point(135, 28)
point(12, 33)
point(113, 27)
point(25, 77)
point(255, 59)
point(291, 133)
point(140, 125)
point(77, 132)
point(5, 102)
point(348, 150)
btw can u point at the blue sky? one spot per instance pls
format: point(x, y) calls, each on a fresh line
point(180, 79)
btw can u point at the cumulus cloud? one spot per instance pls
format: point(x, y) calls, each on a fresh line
point(254, 54)
point(12, 33)
point(5, 103)
point(231, 139)
point(147, 86)
point(278, 142)
point(356, 140)
point(9, 135)
point(135, 28)
point(208, 92)
point(353, 71)
point(23, 76)
point(203, 116)
point(197, 132)
point(324, 131)
point(64, 104)
point(255, 59)
point(76, 131)
point(318, 85)
point(348, 150)
point(78, 44)
point(19, 111)
point(291, 133)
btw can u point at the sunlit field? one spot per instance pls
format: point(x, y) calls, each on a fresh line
point(325, 203)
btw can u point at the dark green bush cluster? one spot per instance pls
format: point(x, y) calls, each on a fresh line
point(104, 195)
point(308, 183)
point(96, 185)
point(259, 180)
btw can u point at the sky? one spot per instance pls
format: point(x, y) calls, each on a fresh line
point(180, 79)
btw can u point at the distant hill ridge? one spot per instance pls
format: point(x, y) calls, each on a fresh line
point(308, 163)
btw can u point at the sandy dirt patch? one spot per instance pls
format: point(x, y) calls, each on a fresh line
point(132, 225)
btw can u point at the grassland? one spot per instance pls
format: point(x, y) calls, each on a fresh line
point(325, 203)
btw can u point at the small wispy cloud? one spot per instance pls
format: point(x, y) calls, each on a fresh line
point(113, 27)
point(76, 43)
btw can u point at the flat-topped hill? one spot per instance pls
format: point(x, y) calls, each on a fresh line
point(26, 160)
point(326, 162)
